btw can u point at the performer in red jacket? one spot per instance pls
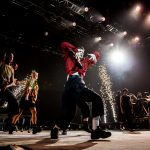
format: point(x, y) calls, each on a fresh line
point(76, 92)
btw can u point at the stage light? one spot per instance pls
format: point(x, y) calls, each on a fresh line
point(96, 17)
point(103, 18)
point(111, 44)
point(100, 18)
point(125, 33)
point(138, 8)
point(46, 33)
point(97, 39)
point(120, 60)
point(86, 9)
point(68, 24)
point(117, 57)
point(135, 40)
point(122, 34)
point(136, 11)
point(74, 24)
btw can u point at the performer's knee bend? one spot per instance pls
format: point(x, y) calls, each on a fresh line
point(97, 106)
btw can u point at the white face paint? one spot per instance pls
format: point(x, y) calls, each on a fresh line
point(80, 53)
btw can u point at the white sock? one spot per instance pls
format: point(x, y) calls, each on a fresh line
point(95, 122)
point(86, 119)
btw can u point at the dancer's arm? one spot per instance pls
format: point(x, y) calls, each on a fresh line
point(70, 50)
point(92, 58)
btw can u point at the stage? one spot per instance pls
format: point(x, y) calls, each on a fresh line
point(75, 140)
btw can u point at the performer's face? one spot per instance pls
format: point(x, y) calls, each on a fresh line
point(80, 53)
point(10, 58)
point(35, 75)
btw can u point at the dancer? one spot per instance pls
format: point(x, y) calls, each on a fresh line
point(126, 109)
point(76, 92)
point(6, 81)
point(28, 100)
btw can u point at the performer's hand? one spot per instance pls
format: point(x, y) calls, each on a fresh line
point(92, 58)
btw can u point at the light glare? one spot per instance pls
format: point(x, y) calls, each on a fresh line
point(86, 9)
point(97, 39)
point(74, 24)
point(136, 12)
point(137, 8)
point(117, 57)
point(135, 40)
point(147, 21)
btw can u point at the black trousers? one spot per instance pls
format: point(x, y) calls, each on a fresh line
point(76, 93)
point(88, 95)
point(13, 107)
point(128, 119)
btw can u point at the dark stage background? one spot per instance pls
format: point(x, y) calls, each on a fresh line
point(34, 29)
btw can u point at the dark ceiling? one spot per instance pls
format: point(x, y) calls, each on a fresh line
point(26, 21)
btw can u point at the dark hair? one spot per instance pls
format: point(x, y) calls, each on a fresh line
point(7, 56)
point(125, 90)
point(2, 55)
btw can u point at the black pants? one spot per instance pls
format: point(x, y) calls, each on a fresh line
point(12, 108)
point(76, 93)
point(128, 119)
point(26, 104)
point(88, 95)
point(8, 96)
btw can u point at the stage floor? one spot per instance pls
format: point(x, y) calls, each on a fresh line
point(75, 140)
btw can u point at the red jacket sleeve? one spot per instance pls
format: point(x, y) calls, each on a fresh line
point(69, 52)
point(66, 46)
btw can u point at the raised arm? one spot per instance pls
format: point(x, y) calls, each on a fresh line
point(92, 58)
point(70, 51)
point(66, 47)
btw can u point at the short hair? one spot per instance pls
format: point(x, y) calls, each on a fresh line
point(34, 71)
